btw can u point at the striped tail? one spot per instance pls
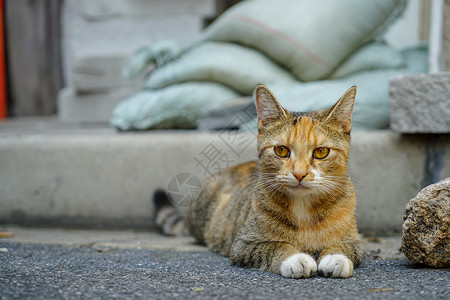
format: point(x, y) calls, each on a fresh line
point(167, 218)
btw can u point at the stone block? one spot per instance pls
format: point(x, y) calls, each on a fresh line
point(420, 103)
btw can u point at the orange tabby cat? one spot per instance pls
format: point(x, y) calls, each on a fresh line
point(292, 211)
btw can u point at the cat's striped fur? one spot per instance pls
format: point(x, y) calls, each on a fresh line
point(292, 214)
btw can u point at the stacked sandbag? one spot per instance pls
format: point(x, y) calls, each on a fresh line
point(309, 38)
point(372, 105)
point(308, 52)
point(235, 66)
point(177, 107)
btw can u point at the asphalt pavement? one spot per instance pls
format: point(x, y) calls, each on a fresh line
point(85, 269)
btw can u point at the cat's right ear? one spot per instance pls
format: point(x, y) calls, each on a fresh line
point(342, 111)
point(267, 107)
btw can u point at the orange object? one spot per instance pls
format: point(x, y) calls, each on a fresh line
point(3, 105)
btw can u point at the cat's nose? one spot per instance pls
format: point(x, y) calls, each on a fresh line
point(299, 176)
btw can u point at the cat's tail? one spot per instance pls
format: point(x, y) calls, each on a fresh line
point(167, 218)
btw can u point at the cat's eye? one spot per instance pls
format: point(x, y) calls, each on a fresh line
point(321, 152)
point(282, 151)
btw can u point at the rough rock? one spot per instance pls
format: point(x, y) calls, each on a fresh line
point(420, 103)
point(426, 226)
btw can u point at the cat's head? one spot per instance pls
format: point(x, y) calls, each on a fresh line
point(304, 153)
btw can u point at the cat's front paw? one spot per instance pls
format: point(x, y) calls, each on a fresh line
point(336, 266)
point(299, 265)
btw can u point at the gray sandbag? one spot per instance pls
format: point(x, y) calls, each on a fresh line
point(372, 99)
point(157, 54)
point(235, 66)
point(230, 115)
point(310, 38)
point(371, 56)
point(179, 106)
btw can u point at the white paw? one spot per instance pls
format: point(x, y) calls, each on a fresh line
point(299, 265)
point(336, 265)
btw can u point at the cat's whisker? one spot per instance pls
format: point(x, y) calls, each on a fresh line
point(279, 187)
point(331, 189)
point(270, 189)
point(336, 180)
point(327, 188)
point(268, 182)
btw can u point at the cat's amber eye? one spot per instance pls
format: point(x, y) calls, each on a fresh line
point(321, 152)
point(282, 151)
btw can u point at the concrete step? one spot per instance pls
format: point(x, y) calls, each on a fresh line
point(69, 175)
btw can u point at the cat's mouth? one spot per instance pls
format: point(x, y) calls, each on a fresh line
point(300, 187)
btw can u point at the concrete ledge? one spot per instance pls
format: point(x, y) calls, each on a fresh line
point(104, 178)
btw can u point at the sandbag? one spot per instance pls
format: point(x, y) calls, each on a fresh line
point(183, 105)
point(371, 107)
point(179, 106)
point(310, 38)
point(157, 54)
point(372, 99)
point(235, 66)
point(375, 55)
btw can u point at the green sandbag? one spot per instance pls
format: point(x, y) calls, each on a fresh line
point(235, 66)
point(372, 103)
point(310, 38)
point(375, 55)
point(158, 54)
point(177, 106)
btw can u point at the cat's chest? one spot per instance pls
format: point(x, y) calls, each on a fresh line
point(312, 233)
point(301, 210)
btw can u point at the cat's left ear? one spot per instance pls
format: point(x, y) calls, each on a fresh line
point(342, 111)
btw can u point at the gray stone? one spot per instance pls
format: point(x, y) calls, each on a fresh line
point(426, 237)
point(420, 103)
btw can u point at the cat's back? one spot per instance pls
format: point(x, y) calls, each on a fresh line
point(221, 206)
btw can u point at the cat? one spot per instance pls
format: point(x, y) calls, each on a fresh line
point(292, 211)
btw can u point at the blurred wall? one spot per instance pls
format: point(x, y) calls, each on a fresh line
point(117, 27)
point(33, 56)
point(411, 28)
